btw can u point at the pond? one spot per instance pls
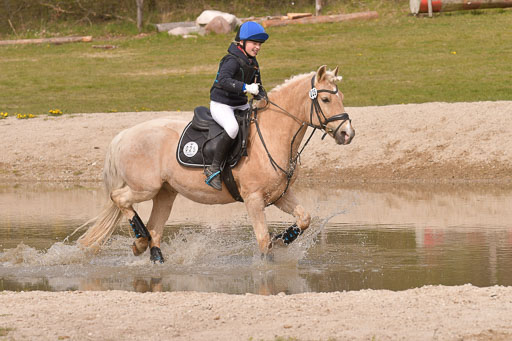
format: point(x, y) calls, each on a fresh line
point(386, 236)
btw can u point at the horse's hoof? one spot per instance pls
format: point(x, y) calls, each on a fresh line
point(139, 246)
point(156, 255)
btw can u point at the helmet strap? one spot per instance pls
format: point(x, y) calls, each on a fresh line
point(242, 45)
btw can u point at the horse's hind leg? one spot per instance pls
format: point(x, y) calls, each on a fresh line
point(162, 205)
point(289, 204)
point(124, 198)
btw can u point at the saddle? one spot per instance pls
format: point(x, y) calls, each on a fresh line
point(199, 139)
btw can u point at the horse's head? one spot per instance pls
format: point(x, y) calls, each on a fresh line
point(327, 110)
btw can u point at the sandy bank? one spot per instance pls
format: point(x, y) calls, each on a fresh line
point(419, 142)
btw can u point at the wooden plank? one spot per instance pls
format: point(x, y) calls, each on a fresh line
point(322, 19)
point(60, 40)
point(293, 16)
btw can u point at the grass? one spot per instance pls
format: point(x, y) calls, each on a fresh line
point(453, 57)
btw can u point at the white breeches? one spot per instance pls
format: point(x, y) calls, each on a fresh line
point(224, 115)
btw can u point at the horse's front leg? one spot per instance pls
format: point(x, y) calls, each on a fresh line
point(289, 204)
point(255, 206)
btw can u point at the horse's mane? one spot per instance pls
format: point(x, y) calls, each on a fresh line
point(292, 80)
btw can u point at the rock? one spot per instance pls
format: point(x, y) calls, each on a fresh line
point(209, 15)
point(218, 25)
point(181, 31)
point(166, 27)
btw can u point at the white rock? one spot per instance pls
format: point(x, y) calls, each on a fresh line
point(181, 31)
point(204, 18)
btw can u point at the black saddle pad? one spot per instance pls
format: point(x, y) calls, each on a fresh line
point(199, 139)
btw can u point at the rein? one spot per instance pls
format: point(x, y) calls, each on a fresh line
point(315, 105)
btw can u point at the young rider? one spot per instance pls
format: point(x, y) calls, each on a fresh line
point(238, 75)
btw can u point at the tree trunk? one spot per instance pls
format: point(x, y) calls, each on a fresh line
point(140, 4)
point(60, 40)
point(318, 7)
point(321, 19)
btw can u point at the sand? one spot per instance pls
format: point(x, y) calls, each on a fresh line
point(411, 142)
point(431, 142)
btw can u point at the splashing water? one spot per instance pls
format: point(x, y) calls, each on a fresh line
point(197, 257)
point(57, 254)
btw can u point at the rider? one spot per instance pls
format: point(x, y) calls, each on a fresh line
point(238, 75)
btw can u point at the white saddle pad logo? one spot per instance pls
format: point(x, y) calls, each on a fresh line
point(190, 149)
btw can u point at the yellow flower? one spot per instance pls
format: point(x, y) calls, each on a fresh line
point(55, 112)
point(453, 52)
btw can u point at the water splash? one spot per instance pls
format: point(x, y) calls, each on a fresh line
point(57, 254)
point(208, 248)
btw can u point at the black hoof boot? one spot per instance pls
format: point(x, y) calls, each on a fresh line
point(156, 255)
point(289, 235)
point(138, 227)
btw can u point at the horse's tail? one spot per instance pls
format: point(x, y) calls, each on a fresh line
point(106, 222)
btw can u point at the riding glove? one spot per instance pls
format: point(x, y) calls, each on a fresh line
point(253, 88)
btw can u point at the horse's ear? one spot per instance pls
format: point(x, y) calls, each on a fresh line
point(336, 77)
point(320, 73)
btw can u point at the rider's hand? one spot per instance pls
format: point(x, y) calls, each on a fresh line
point(253, 88)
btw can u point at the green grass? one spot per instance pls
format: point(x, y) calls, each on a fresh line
point(463, 56)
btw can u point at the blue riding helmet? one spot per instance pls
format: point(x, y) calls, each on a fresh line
point(253, 31)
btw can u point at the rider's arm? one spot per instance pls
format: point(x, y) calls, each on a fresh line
point(225, 79)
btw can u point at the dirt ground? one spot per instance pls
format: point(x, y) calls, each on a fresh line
point(412, 142)
point(431, 142)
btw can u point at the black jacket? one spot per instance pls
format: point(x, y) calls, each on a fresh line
point(235, 69)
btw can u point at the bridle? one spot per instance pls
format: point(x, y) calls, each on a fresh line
point(315, 107)
point(313, 94)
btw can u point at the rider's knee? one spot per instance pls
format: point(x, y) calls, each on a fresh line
point(232, 131)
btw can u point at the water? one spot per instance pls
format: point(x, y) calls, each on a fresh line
point(380, 237)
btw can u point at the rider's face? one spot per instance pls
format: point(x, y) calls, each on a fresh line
point(252, 47)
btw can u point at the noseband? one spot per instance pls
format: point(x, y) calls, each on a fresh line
point(315, 105)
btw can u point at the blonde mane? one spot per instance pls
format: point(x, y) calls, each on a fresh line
point(292, 80)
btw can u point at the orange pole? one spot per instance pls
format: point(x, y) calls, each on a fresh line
point(421, 6)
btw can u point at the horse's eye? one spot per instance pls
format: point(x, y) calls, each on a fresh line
point(325, 99)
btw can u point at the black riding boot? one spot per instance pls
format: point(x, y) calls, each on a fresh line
point(213, 172)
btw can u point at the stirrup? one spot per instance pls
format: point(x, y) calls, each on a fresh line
point(212, 180)
point(211, 176)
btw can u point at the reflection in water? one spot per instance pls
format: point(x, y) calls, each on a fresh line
point(394, 238)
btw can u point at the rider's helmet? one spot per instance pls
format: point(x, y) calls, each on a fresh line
point(253, 31)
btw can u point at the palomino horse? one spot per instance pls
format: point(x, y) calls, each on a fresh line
point(141, 163)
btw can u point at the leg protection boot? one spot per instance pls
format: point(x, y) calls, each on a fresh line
point(289, 235)
point(213, 172)
point(138, 227)
point(142, 235)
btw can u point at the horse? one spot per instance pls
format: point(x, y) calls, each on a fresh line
point(141, 165)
